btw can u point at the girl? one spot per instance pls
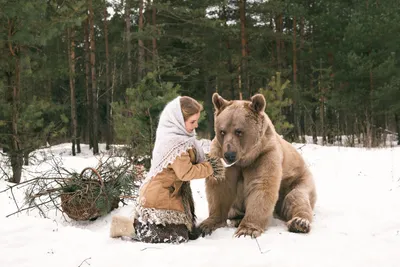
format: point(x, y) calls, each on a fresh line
point(165, 209)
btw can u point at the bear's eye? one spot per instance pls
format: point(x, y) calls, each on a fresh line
point(238, 132)
point(222, 132)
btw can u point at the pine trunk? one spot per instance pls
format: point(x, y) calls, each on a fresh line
point(278, 25)
point(93, 79)
point(231, 68)
point(108, 88)
point(244, 81)
point(16, 146)
point(313, 117)
point(209, 106)
point(282, 43)
point(367, 130)
point(294, 117)
point(294, 53)
point(369, 133)
point(113, 85)
point(154, 40)
point(302, 30)
point(128, 40)
point(13, 98)
point(302, 113)
point(314, 127)
point(140, 43)
point(89, 100)
point(71, 57)
point(397, 120)
point(373, 128)
point(321, 105)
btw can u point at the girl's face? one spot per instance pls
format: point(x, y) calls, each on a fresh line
point(192, 122)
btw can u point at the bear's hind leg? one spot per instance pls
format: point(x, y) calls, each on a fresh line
point(297, 207)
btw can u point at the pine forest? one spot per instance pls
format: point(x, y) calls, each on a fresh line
point(101, 71)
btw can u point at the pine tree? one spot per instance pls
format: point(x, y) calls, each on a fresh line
point(136, 118)
point(276, 102)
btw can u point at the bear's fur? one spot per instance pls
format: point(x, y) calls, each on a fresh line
point(270, 176)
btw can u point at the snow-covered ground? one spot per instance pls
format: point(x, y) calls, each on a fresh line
point(357, 223)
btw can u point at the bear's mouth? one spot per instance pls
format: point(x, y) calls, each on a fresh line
point(226, 165)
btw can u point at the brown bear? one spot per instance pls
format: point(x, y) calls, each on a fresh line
point(267, 175)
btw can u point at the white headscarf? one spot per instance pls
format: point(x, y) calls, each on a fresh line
point(172, 139)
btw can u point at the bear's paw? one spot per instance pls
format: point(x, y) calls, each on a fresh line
point(299, 225)
point(251, 231)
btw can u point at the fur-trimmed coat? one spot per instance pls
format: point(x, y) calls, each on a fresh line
point(167, 197)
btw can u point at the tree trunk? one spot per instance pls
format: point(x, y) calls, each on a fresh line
point(282, 43)
point(108, 88)
point(148, 53)
point(368, 129)
point(94, 84)
point(294, 54)
point(151, 130)
point(88, 85)
point(302, 127)
point(128, 40)
point(373, 128)
point(16, 146)
point(293, 107)
point(231, 67)
point(140, 43)
point(302, 131)
point(13, 98)
point(397, 119)
point(301, 33)
point(231, 70)
point(322, 120)
point(78, 140)
point(71, 61)
point(154, 40)
point(278, 25)
point(321, 104)
point(240, 84)
point(383, 135)
point(113, 84)
point(244, 81)
point(314, 127)
point(209, 106)
point(369, 122)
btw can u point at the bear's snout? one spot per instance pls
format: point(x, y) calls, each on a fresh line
point(230, 156)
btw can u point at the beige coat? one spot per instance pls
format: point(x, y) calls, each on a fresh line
point(163, 191)
point(166, 199)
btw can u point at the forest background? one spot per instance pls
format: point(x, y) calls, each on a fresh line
point(93, 71)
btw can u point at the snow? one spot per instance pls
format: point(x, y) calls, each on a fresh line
point(357, 222)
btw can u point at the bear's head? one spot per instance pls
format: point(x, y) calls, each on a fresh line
point(239, 125)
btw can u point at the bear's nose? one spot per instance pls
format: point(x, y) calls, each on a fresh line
point(230, 156)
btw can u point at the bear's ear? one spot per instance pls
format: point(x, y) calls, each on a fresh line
point(258, 103)
point(218, 101)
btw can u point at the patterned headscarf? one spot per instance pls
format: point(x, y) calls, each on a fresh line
point(172, 139)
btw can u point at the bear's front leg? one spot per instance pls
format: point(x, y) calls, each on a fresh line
point(220, 196)
point(261, 191)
